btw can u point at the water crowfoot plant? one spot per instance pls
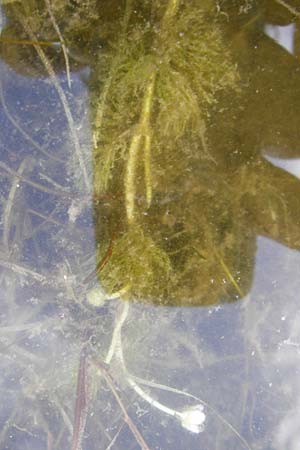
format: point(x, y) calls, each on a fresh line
point(184, 97)
point(168, 64)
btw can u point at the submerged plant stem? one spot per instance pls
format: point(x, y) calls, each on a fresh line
point(9, 206)
point(61, 39)
point(230, 276)
point(37, 186)
point(48, 66)
point(171, 10)
point(81, 404)
point(115, 342)
point(16, 268)
point(290, 8)
point(140, 136)
point(108, 378)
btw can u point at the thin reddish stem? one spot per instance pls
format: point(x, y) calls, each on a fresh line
point(110, 381)
point(101, 263)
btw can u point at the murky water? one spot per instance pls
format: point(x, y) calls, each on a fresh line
point(150, 225)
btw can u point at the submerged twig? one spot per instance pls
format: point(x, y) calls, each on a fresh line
point(21, 270)
point(46, 219)
point(115, 342)
point(115, 438)
point(81, 404)
point(7, 40)
point(229, 275)
point(48, 66)
point(61, 39)
point(40, 187)
point(101, 263)
point(10, 201)
point(109, 379)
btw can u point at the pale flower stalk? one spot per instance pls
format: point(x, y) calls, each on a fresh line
point(191, 418)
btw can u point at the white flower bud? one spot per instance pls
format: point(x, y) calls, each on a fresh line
point(193, 418)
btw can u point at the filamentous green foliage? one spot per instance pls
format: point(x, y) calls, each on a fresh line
point(137, 266)
point(160, 77)
point(190, 64)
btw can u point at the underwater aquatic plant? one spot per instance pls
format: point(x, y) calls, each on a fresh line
point(159, 78)
point(198, 193)
point(168, 81)
point(173, 98)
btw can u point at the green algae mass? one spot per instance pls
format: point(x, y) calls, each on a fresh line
point(188, 186)
point(185, 97)
point(138, 265)
point(160, 77)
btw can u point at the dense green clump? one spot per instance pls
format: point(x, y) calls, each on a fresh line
point(184, 100)
point(162, 74)
point(160, 77)
point(137, 266)
point(185, 95)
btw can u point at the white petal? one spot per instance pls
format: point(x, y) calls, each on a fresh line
point(193, 419)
